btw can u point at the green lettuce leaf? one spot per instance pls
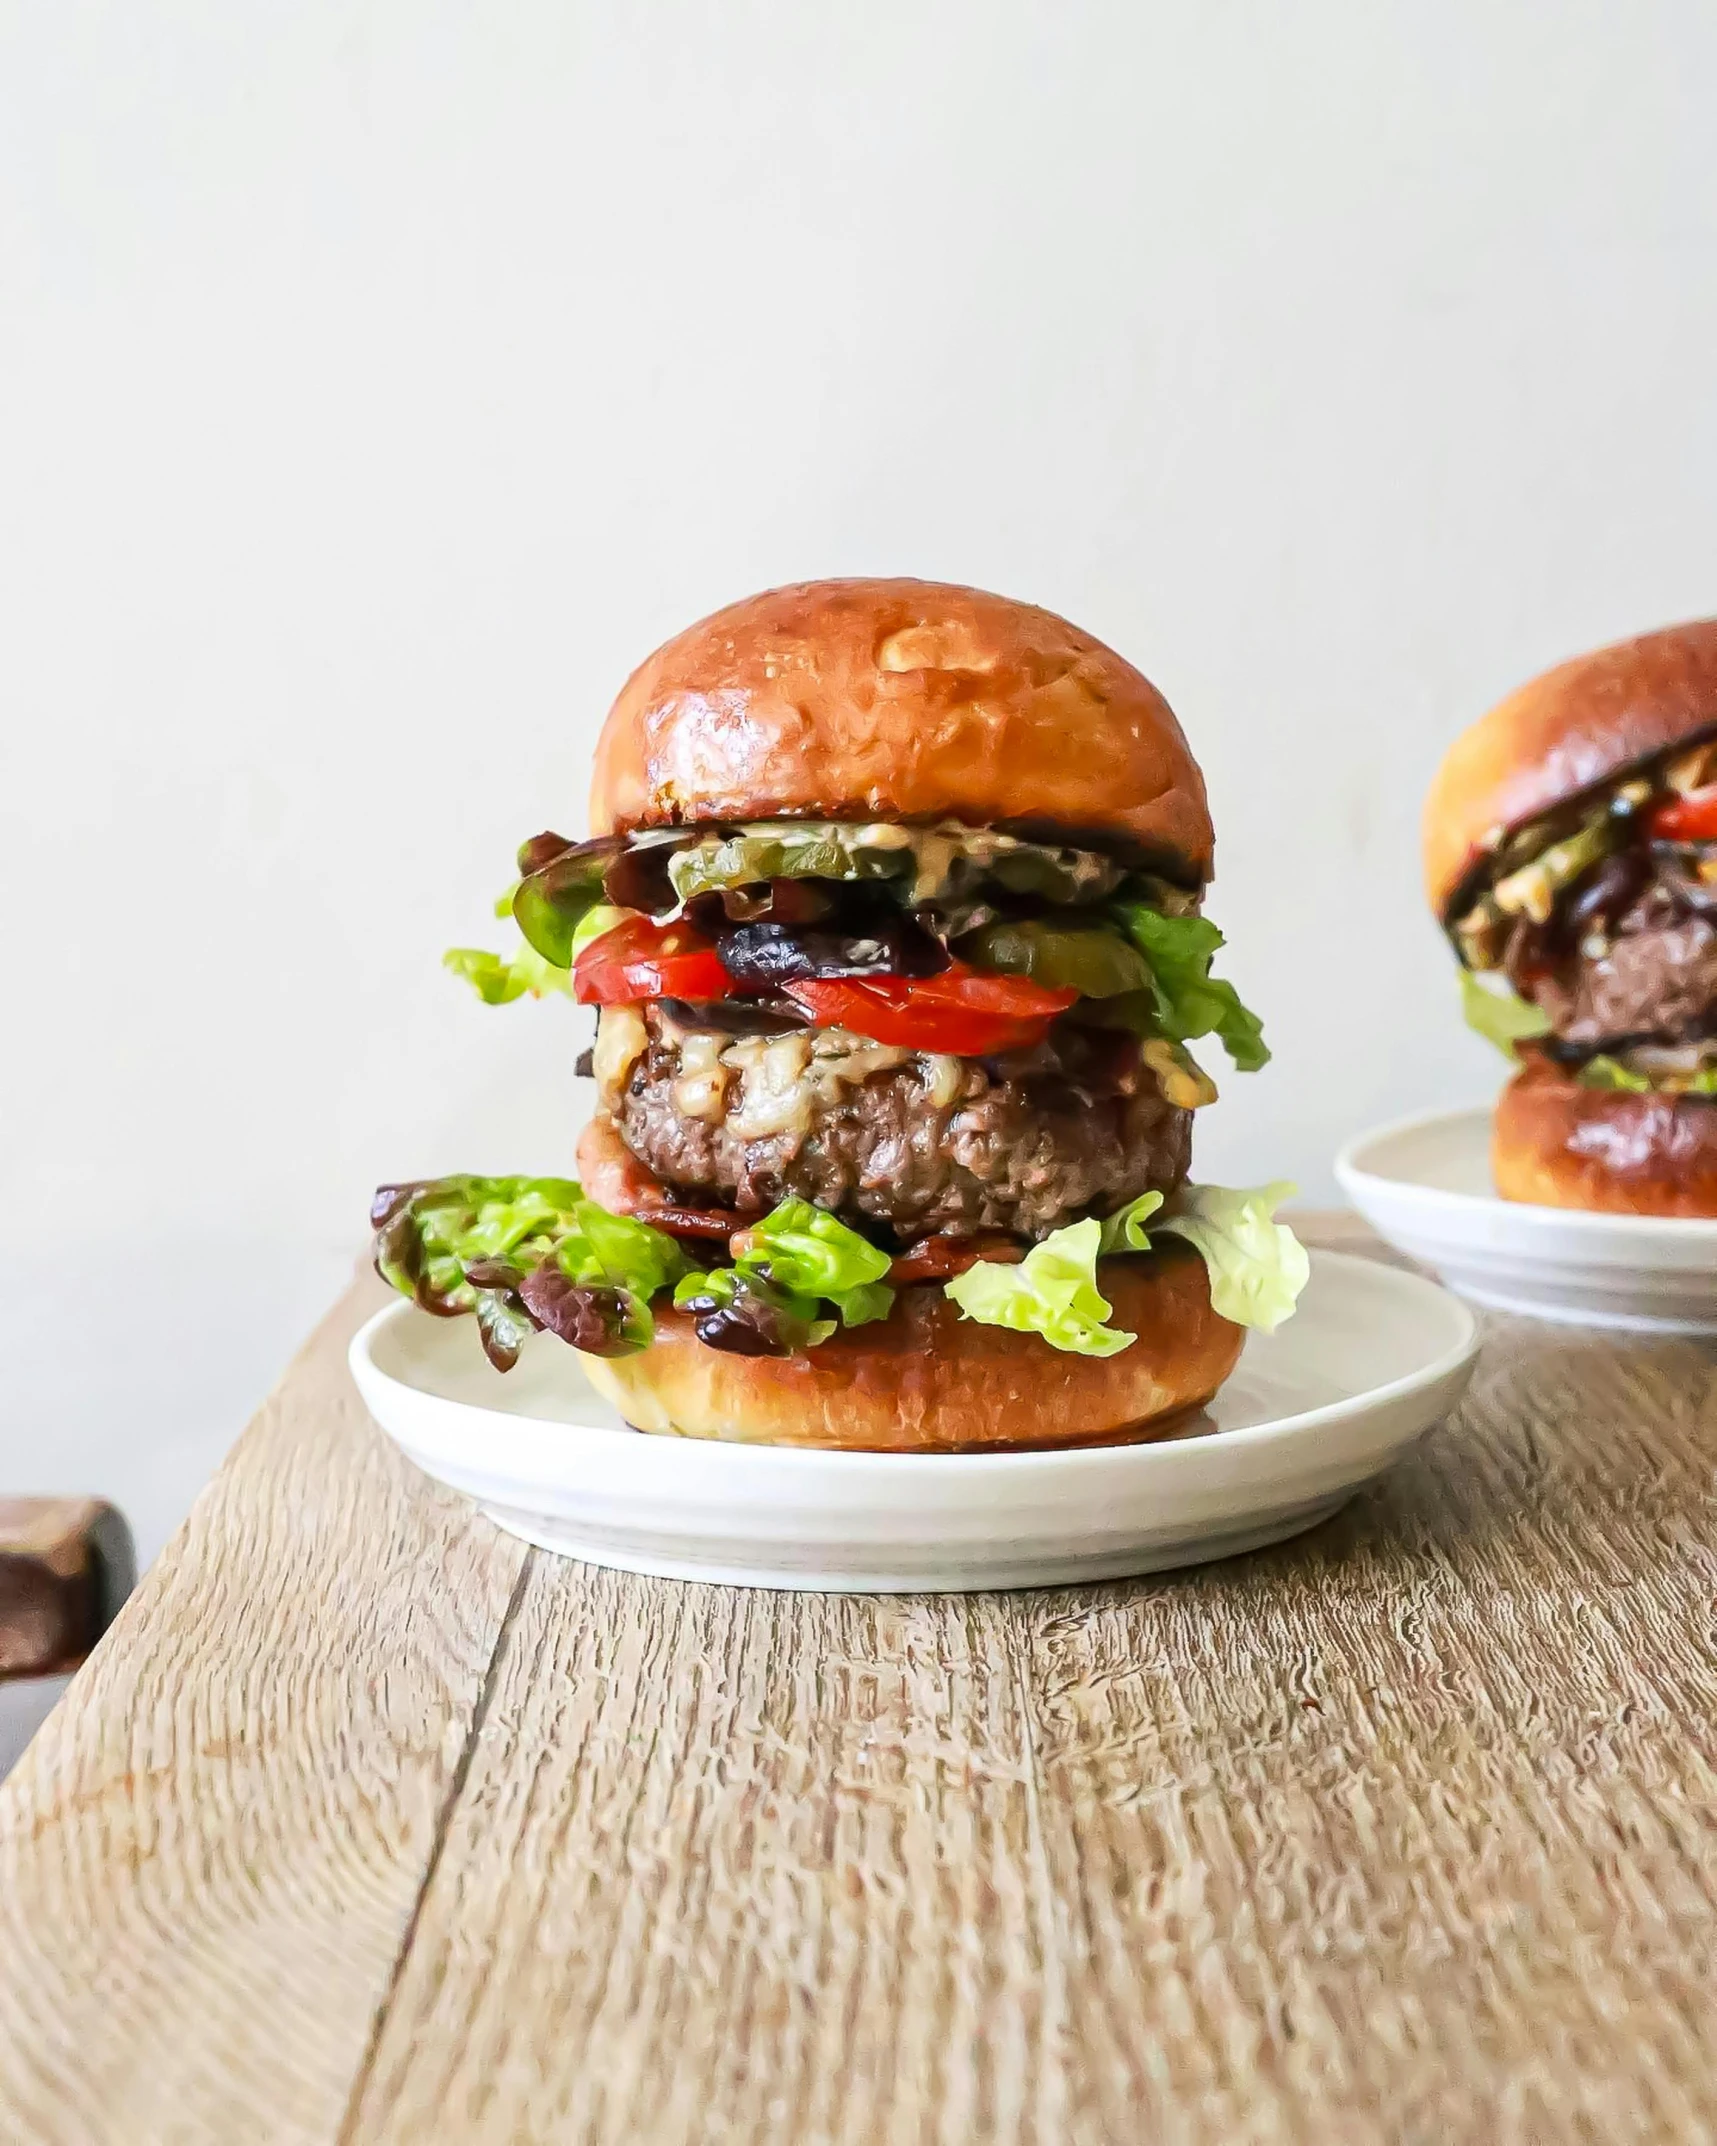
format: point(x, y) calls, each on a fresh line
point(498, 979)
point(807, 1251)
point(1053, 1292)
point(863, 1305)
point(523, 1253)
point(1603, 1071)
point(621, 1250)
point(1257, 1265)
point(1500, 1015)
point(1124, 1231)
point(785, 1269)
point(743, 1312)
point(1189, 1001)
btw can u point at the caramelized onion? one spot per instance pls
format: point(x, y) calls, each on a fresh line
point(769, 954)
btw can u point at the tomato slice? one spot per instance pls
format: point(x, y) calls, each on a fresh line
point(961, 1011)
point(641, 959)
point(1692, 818)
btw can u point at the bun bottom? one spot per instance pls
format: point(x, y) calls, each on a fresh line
point(1557, 1144)
point(925, 1380)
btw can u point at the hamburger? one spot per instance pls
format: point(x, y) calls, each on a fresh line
point(1571, 855)
point(891, 915)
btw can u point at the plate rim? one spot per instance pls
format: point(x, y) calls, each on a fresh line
point(1449, 1362)
point(1581, 1220)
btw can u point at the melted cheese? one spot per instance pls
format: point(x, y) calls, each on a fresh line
point(785, 1077)
point(775, 1099)
point(621, 1040)
point(700, 1087)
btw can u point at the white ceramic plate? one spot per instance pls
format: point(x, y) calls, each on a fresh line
point(1373, 1358)
point(1425, 1185)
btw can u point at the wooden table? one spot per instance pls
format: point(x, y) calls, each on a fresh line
point(368, 1823)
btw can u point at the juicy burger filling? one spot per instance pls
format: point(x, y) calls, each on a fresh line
point(915, 1142)
point(1590, 935)
point(933, 1029)
point(832, 1058)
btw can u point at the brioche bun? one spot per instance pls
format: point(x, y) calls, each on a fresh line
point(925, 1380)
point(1579, 725)
point(901, 700)
point(1555, 1143)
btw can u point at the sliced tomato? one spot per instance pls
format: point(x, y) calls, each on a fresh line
point(641, 959)
point(1692, 818)
point(961, 1011)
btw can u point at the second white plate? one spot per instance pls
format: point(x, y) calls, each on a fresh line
point(1373, 1358)
point(1425, 1185)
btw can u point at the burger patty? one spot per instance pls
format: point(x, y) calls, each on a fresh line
point(1657, 976)
point(1656, 983)
point(925, 1144)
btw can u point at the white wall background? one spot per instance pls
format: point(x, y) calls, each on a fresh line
point(378, 382)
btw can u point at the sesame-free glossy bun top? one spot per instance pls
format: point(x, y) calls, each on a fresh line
point(900, 700)
point(1576, 726)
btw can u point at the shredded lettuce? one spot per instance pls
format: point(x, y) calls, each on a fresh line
point(1257, 1268)
point(1053, 1292)
point(1188, 1001)
point(1500, 1015)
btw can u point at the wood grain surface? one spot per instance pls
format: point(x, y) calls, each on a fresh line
point(367, 1824)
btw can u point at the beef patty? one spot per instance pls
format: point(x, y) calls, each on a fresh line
point(1657, 976)
point(924, 1143)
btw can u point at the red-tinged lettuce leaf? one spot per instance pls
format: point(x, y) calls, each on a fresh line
point(522, 1254)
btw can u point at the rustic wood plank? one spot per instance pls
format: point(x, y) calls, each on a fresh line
point(66, 1565)
point(364, 1824)
point(733, 1865)
point(1409, 1830)
point(210, 1855)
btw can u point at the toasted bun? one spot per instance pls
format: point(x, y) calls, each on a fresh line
point(927, 1381)
point(1556, 1144)
point(1578, 725)
point(900, 700)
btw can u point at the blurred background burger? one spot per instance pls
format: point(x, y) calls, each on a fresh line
point(1571, 856)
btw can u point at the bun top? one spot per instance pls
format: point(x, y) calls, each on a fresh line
point(1578, 725)
point(901, 700)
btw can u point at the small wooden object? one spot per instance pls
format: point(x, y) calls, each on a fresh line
point(66, 1564)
